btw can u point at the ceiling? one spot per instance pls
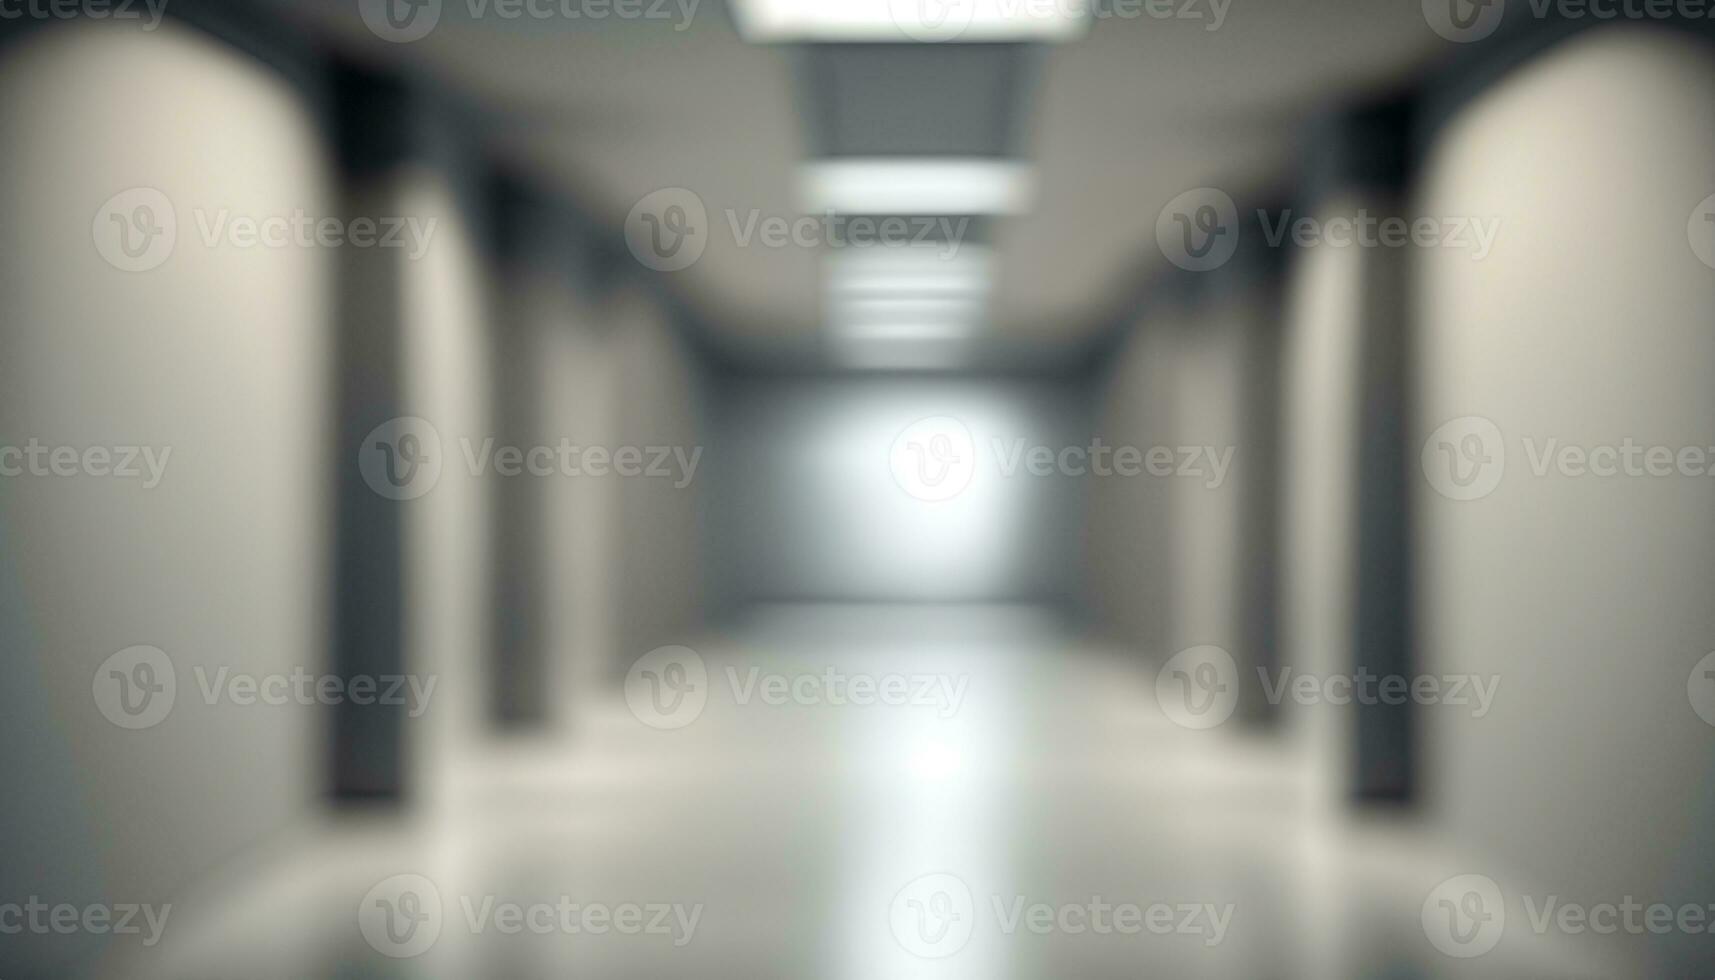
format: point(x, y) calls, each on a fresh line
point(1117, 123)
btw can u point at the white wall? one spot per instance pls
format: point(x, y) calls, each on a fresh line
point(221, 354)
point(623, 557)
point(1329, 305)
point(1206, 408)
point(446, 351)
point(1131, 520)
point(808, 506)
point(1593, 321)
point(571, 394)
point(657, 546)
point(1170, 556)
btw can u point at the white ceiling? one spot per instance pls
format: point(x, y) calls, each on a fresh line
point(1118, 122)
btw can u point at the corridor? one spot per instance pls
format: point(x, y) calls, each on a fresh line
point(857, 489)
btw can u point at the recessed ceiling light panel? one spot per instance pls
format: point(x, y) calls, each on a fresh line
point(912, 20)
point(916, 186)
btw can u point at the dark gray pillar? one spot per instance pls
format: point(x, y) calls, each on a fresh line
point(1368, 153)
point(375, 133)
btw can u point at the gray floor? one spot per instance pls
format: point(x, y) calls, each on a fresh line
point(800, 836)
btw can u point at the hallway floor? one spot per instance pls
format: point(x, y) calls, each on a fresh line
point(811, 839)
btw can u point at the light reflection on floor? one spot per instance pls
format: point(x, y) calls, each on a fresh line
point(800, 828)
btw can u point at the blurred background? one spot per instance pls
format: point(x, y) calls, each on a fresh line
point(858, 488)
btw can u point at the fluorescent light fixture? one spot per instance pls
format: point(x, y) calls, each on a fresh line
point(909, 354)
point(912, 20)
point(910, 308)
point(900, 335)
point(916, 186)
point(906, 309)
point(895, 308)
point(907, 316)
point(951, 285)
point(911, 271)
point(904, 331)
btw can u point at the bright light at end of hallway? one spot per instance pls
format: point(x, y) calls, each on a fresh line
point(934, 760)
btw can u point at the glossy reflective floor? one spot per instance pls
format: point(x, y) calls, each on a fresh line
point(781, 834)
